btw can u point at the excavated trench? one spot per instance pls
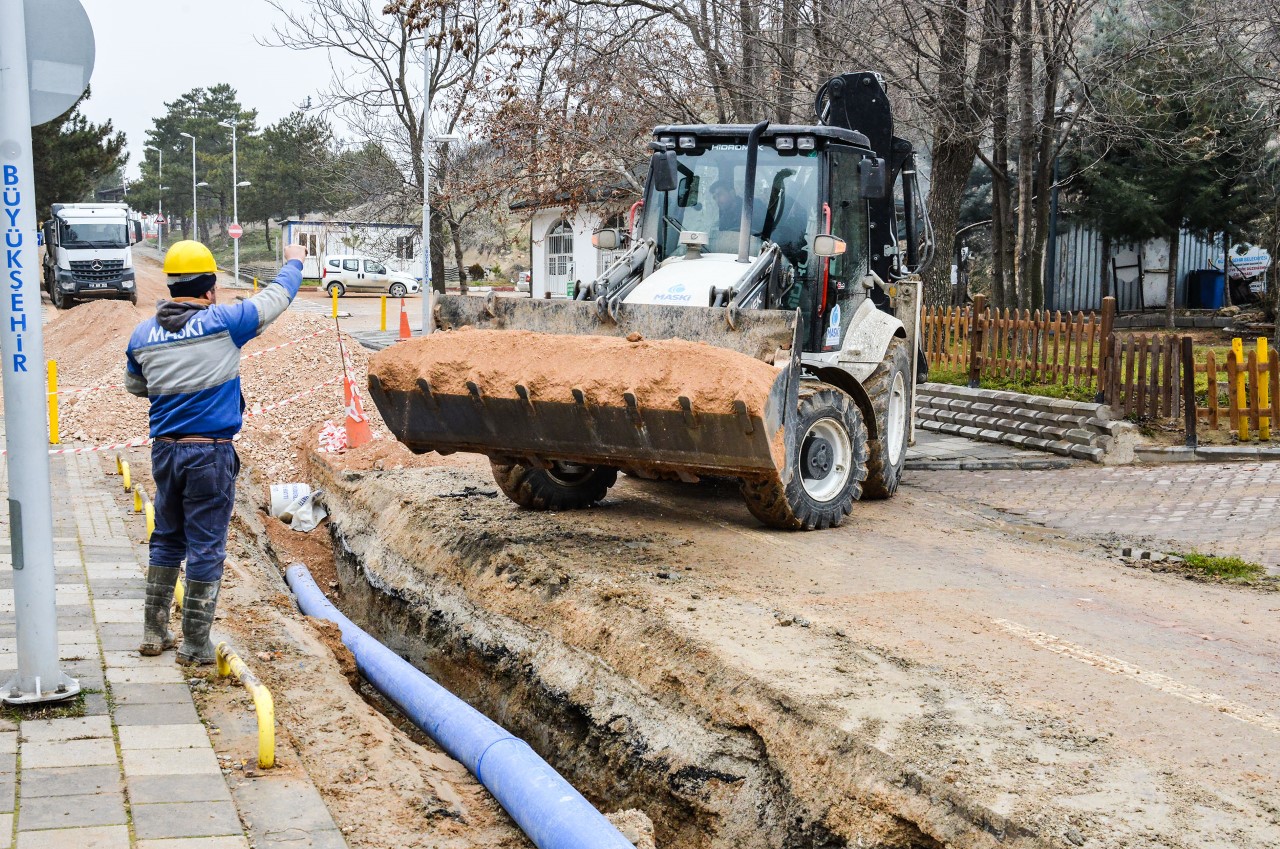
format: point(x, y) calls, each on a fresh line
point(629, 710)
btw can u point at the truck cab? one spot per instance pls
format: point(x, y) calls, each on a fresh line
point(88, 252)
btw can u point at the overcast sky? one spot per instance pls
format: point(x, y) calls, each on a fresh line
point(150, 52)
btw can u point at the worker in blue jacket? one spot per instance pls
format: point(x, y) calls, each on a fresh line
point(186, 360)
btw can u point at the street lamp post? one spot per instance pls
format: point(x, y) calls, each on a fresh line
point(195, 205)
point(235, 201)
point(160, 202)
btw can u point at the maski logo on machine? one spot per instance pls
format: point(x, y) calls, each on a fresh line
point(833, 329)
point(675, 294)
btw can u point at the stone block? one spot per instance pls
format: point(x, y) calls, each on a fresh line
point(170, 761)
point(152, 789)
point(98, 837)
point(61, 730)
point(71, 811)
point(1086, 452)
point(68, 753)
point(186, 819)
point(188, 736)
point(70, 781)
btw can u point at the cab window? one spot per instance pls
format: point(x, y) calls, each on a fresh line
point(351, 265)
point(372, 267)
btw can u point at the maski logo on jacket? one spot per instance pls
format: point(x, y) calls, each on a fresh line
point(192, 328)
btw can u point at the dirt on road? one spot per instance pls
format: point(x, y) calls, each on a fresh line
point(880, 684)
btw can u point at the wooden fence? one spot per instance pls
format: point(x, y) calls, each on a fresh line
point(1146, 375)
point(1244, 399)
point(1022, 345)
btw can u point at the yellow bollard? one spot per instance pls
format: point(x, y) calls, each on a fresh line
point(229, 663)
point(137, 499)
point(1242, 400)
point(383, 326)
point(53, 403)
point(335, 301)
point(128, 482)
point(1264, 389)
point(119, 465)
point(151, 519)
point(255, 285)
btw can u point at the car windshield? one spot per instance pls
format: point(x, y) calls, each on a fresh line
point(93, 234)
point(708, 199)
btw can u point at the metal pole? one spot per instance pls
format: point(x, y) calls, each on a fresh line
point(38, 678)
point(160, 194)
point(1051, 260)
point(235, 202)
point(428, 291)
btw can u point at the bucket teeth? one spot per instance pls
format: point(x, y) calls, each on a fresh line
point(579, 397)
point(425, 388)
point(523, 392)
point(690, 417)
point(633, 408)
point(474, 389)
point(740, 407)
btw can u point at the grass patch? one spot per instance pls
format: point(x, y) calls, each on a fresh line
point(72, 708)
point(958, 377)
point(1227, 568)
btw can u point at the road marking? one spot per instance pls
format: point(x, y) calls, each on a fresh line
point(1154, 680)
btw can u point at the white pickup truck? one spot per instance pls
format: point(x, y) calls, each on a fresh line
point(88, 252)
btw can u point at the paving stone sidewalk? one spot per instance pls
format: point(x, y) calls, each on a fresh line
point(137, 769)
point(1216, 508)
point(939, 452)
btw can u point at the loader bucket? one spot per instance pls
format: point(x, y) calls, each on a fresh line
point(537, 381)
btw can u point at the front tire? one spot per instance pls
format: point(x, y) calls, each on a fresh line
point(399, 290)
point(827, 466)
point(337, 288)
point(891, 397)
point(566, 486)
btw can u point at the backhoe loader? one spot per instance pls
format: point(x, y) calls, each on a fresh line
point(796, 246)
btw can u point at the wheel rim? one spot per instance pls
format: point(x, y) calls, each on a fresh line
point(826, 456)
point(398, 291)
point(896, 419)
point(569, 474)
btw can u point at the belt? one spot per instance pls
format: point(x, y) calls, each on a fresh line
point(204, 440)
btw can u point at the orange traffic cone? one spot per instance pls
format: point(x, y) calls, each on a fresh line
point(404, 321)
point(357, 423)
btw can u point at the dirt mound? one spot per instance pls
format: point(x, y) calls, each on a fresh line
point(602, 367)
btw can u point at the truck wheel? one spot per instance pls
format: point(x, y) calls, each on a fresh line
point(133, 299)
point(336, 287)
point(566, 486)
point(827, 465)
point(62, 300)
point(891, 396)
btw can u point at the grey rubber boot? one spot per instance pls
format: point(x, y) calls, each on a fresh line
point(198, 606)
point(155, 619)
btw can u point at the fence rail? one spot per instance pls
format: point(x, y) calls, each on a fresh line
point(1245, 402)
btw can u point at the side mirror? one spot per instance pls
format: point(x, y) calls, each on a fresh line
point(826, 245)
point(609, 239)
point(665, 173)
point(873, 178)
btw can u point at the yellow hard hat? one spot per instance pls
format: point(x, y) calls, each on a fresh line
point(187, 259)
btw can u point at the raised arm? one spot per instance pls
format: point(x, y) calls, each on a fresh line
point(251, 317)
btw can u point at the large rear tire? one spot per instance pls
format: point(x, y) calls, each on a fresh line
point(827, 466)
point(566, 486)
point(891, 397)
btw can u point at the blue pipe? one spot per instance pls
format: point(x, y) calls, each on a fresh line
point(543, 804)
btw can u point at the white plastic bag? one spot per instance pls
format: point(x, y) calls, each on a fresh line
point(297, 506)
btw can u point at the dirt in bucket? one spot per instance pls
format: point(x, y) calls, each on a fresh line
point(551, 366)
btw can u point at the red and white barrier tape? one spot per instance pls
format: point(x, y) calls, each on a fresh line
point(142, 441)
point(244, 357)
point(258, 411)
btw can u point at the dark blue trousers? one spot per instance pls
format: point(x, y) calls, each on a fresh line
point(195, 494)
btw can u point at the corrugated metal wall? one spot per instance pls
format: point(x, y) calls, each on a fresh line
point(1080, 263)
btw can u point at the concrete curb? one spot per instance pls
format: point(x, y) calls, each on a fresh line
point(1038, 464)
point(1158, 454)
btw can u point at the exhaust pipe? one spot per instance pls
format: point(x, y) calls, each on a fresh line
point(546, 807)
point(749, 191)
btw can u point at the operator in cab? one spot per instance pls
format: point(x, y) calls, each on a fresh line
point(186, 360)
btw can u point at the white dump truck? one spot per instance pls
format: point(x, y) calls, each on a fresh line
point(88, 252)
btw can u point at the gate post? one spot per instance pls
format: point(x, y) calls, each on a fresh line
point(977, 332)
point(1189, 391)
point(1104, 357)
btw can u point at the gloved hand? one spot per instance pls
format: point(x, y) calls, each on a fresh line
point(297, 252)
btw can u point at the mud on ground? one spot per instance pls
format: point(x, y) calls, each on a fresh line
point(643, 656)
